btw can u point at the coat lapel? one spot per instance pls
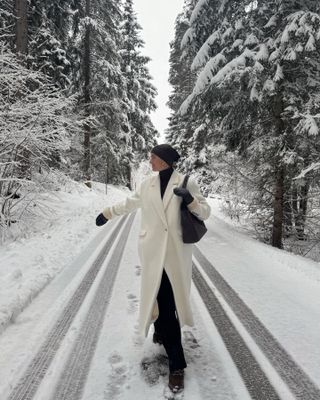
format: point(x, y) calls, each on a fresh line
point(156, 198)
point(173, 183)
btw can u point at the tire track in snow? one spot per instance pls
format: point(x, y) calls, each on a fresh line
point(72, 381)
point(290, 372)
point(30, 381)
point(254, 378)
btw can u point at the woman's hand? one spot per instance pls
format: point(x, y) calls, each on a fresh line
point(184, 193)
point(101, 220)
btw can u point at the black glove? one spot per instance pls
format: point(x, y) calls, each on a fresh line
point(101, 220)
point(184, 193)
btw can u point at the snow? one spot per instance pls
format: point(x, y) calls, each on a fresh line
point(311, 44)
point(310, 125)
point(258, 67)
point(197, 10)
point(238, 62)
point(222, 6)
point(274, 55)
point(237, 43)
point(272, 22)
point(312, 167)
point(209, 76)
point(263, 361)
point(203, 54)
point(251, 40)
point(283, 289)
point(238, 25)
point(208, 72)
point(198, 131)
point(187, 37)
point(254, 94)
point(290, 55)
point(285, 36)
point(30, 263)
point(279, 74)
point(227, 33)
point(263, 53)
point(293, 26)
point(45, 267)
point(299, 47)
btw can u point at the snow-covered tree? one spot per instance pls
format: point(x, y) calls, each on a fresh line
point(98, 81)
point(182, 80)
point(257, 89)
point(78, 45)
point(47, 38)
point(35, 129)
point(140, 92)
point(48, 45)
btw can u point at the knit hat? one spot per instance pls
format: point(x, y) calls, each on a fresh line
point(166, 152)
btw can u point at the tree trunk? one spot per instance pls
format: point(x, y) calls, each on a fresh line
point(106, 177)
point(287, 210)
point(278, 204)
point(278, 210)
point(295, 201)
point(128, 173)
point(302, 211)
point(21, 30)
point(21, 9)
point(87, 95)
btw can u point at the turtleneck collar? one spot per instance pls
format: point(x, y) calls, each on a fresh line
point(164, 179)
point(166, 173)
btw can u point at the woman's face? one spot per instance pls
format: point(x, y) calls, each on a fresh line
point(157, 164)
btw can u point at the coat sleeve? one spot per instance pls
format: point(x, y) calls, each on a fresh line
point(131, 203)
point(199, 206)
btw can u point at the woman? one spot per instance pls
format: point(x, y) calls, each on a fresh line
point(166, 261)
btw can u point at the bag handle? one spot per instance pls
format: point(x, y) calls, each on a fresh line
point(185, 181)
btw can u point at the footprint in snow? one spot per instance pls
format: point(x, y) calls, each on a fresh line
point(137, 338)
point(116, 378)
point(154, 367)
point(138, 270)
point(133, 303)
point(115, 358)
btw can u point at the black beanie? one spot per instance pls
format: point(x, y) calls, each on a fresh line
point(166, 153)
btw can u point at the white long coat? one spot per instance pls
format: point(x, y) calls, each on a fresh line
point(160, 244)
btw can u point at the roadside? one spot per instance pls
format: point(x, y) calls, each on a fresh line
point(53, 241)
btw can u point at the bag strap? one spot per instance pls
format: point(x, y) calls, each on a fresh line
point(185, 181)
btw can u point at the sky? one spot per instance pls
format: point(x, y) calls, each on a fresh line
point(157, 21)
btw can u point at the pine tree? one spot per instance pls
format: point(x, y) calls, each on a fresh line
point(49, 24)
point(98, 82)
point(182, 80)
point(293, 66)
point(140, 92)
point(256, 91)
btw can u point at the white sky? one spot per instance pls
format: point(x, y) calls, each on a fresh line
point(157, 19)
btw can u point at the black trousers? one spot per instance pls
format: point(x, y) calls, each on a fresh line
point(167, 325)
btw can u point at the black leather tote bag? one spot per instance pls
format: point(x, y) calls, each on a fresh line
point(193, 228)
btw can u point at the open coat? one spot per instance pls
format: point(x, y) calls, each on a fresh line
point(160, 244)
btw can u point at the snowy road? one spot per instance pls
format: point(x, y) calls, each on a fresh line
point(78, 339)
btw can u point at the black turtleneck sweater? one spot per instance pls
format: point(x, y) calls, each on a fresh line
point(164, 179)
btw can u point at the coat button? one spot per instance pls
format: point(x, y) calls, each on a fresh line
point(166, 230)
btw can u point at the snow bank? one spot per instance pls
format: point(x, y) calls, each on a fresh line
point(53, 240)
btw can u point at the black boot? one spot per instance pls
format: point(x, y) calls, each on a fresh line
point(157, 338)
point(176, 380)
